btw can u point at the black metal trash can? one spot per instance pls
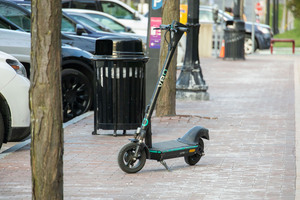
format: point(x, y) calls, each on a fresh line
point(234, 36)
point(119, 102)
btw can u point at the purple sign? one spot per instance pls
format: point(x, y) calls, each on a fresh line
point(154, 41)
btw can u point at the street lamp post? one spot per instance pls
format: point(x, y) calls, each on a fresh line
point(275, 17)
point(190, 84)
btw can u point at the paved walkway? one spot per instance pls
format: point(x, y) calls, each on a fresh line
point(251, 155)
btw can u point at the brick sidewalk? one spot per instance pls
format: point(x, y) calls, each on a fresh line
point(251, 154)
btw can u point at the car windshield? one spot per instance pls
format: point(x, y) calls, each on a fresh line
point(88, 22)
point(67, 26)
point(115, 26)
point(116, 10)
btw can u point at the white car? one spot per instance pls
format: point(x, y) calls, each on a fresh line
point(125, 14)
point(18, 47)
point(14, 100)
point(104, 19)
point(96, 19)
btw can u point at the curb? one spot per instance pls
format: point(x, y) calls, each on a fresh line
point(26, 142)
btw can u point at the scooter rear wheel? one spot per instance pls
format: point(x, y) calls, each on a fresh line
point(194, 159)
point(126, 159)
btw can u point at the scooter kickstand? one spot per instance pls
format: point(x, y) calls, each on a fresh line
point(165, 165)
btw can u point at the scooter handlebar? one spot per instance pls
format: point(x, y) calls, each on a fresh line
point(183, 29)
point(163, 27)
point(169, 27)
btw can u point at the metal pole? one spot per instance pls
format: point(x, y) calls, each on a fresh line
point(275, 17)
point(253, 31)
point(236, 10)
point(268, 13)
point(190, 84)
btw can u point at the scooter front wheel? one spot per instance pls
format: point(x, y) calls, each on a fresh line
point(128, 162)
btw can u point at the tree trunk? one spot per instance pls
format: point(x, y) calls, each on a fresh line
point(46, 101)
point(166, 101)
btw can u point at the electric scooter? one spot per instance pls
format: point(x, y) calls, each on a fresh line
point(132, 157)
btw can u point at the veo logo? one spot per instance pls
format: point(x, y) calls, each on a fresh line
point(162, 78)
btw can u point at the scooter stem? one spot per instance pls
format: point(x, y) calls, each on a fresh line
point(176, 31)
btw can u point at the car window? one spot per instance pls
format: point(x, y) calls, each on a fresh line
point(27, 6)
point(65, 4)
point(116, 10)
point(84, 4)
point(67, 25)
point(16, 16)
point(205, 16)
point(115, 26)
point(87, 22)
point(4, 25)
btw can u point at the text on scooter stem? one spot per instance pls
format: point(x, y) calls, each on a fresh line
point(162, 78)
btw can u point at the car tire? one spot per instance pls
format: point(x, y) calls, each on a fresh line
point(1, 130)
point(77, 93)
point(248, 45)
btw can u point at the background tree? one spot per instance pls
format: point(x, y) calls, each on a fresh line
point(294, 6)
point(45, 101)
point(166, 101)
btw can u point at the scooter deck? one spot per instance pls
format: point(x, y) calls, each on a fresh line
point(171, 149)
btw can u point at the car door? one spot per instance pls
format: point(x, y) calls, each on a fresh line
point(19, 47)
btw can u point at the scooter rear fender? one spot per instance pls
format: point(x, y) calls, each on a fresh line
point(193, 135)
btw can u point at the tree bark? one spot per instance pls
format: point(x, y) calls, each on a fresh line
point(46, 101)
point(166, 101)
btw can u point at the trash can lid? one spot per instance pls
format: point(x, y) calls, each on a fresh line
point(119, 46)
point(238, 25)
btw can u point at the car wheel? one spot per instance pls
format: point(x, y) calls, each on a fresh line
point(1, 130)
point(248, 45)
point(76, 93)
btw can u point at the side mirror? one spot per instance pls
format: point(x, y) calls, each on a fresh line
point(128, 29)
point(137, 16)
point(79, 29)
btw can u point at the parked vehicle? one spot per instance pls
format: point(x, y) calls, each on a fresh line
point(14, 100)
point(94, 23)
point(19, 15)
point(116, 8)
point(105, 19)
point(77, 71)
point(71, 28)
point(76, 100)
point(263, 33)
point(16, 17)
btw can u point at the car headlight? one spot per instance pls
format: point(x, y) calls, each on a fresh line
point(263, 30)
point(17, 66)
